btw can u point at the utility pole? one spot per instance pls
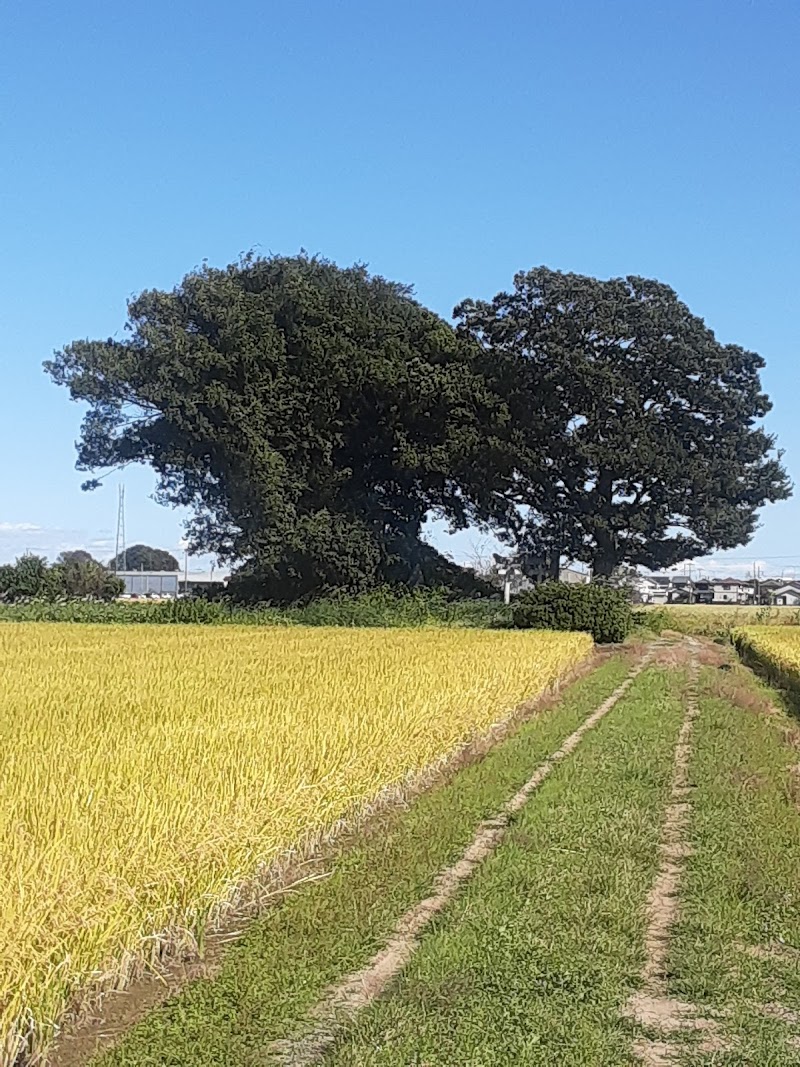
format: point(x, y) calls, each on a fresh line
point(507, 573)
point(756, 591)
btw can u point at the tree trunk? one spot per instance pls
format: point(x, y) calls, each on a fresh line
point(606, 558)
point(603, 566)
point(554, 554)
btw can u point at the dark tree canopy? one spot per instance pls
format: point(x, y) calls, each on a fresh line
point(75, 555)
point(310, 416)
point(144, 558)
point(659, 456)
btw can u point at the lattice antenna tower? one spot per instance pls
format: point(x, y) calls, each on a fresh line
point(120, 551)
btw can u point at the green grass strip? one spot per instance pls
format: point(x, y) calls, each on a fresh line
point(534, 961)
point(741, 892)
point(281, 966)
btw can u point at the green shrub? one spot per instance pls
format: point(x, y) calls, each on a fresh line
point(596, 609)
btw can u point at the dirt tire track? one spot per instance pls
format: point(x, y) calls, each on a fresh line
point(356, 991)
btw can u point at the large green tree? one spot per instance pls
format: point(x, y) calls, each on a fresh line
point(310, 416)
point(144, 558)
point(659, 455)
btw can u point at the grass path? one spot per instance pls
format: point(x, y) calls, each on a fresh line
point(286, 960)
point(534, 961)
point(341, 1005)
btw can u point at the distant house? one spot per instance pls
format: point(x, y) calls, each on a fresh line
point(570, 575)
point(732, 591)
point(723, 591)
point(767, 588)
point(703, 591)
point(653, 589)
point(573, 576)
point(665, 588)
point(680, 589)
point(786, 595)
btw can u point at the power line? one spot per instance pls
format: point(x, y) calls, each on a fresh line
point(755, 559)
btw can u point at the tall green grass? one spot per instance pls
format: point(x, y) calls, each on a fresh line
point(383, 607)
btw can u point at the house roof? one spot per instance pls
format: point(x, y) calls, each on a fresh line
point(667, 579)
point(663, 581)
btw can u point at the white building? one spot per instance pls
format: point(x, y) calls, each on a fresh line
point(150, 583)
point(664, 588)
point(161, 584)
point(787, 595)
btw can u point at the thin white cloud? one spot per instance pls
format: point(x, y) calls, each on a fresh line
point(19, 527)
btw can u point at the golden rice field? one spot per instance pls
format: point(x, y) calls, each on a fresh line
point(777, 647)
point(709, 619)
point(145, 772)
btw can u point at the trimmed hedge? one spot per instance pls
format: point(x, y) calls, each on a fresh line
point(596, 609)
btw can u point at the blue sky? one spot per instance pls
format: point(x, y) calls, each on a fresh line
point(445, 144)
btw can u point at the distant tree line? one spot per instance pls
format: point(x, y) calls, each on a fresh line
point(74, 575)
point(312, 417)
